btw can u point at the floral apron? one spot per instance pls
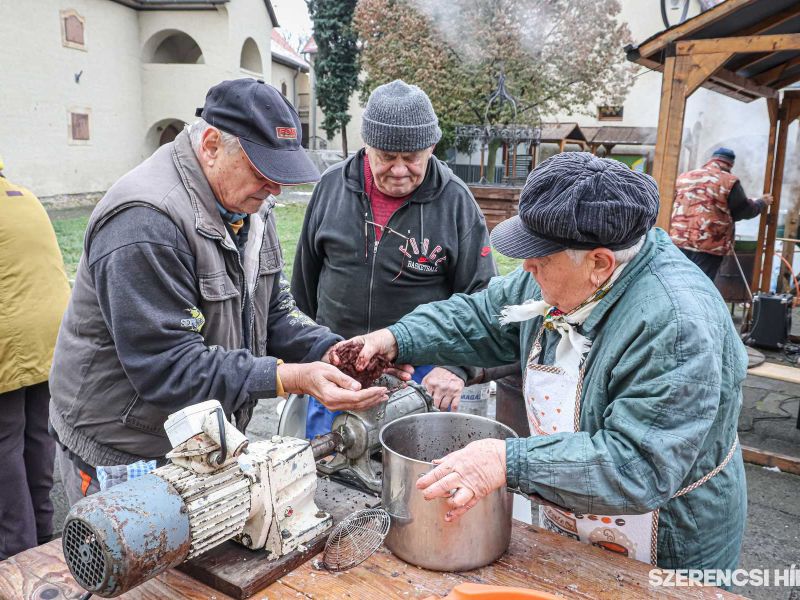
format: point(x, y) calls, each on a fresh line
point(553, 401)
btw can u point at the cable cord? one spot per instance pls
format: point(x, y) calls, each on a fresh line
point(794, 277)
point(786, 415)
point(748, 337)
point(223, 452)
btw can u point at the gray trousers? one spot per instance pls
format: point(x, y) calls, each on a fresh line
point(77, 483)
point(26, 467)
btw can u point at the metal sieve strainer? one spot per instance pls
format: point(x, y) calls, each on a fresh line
point(355, 538)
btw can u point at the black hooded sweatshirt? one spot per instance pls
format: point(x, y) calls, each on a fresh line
point(436, 244)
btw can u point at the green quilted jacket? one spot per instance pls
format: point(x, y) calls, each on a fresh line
point(660, 404)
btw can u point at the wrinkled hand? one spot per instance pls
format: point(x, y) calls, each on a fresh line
point(377, 342)
point(474, 472)
point(767, 199)
point(445, 388)
point(330, 386)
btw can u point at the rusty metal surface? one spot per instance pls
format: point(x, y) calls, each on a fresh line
point(323, 445)
point(141, 527)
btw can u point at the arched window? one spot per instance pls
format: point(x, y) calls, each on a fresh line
point(250, 59)
point(172, 46)
point(163, 132)
point(284, 89)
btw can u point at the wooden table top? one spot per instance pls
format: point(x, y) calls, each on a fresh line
point(535, 559)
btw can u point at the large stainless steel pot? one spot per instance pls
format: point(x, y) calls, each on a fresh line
point(419, 534)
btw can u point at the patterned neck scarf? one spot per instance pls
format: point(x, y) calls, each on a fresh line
point(573, 345)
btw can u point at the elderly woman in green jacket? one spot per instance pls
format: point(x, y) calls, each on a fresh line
point(632, 371)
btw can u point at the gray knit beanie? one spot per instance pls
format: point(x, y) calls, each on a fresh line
point(399, 118)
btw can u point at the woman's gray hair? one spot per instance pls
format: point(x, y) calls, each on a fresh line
point(622, 257)
point(198, 128)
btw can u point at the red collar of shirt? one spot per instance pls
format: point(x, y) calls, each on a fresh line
point(383, 206)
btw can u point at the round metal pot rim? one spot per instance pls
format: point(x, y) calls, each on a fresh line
point(436, 415)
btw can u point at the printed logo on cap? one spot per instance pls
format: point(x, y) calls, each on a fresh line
point(286, 133)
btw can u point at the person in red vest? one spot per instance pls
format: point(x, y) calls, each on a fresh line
point(708, 201)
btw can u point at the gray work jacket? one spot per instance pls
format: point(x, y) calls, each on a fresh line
point(155, 325)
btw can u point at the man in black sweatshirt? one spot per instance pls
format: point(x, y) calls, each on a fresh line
point(387, 230)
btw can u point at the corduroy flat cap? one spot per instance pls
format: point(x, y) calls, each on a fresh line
point(576, 200)
point(399, 118)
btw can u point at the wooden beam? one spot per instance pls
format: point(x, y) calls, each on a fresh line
point(745, 61)
point(770, 22)
point(728, 90)
point(670, 133)
point(792, 113)
point(701, 68)
point(772, 109)
point(674, 34)
point(786, 82)
point(744, 84)
point(775, 73)
point(786, 463)
point(787, 109)
point(747, 43)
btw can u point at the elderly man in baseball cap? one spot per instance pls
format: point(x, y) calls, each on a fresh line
point(632, 372)
point(180, 296)
point(388, 229)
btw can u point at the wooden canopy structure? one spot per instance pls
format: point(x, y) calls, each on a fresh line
point(609, 136)
point(562, 134)
point(745, 49)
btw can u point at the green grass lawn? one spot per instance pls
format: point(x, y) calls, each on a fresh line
point(289, 218)
point(70, 238)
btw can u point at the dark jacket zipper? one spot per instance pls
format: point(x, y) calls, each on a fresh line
point(375, 249)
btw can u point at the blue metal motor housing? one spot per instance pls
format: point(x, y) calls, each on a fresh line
point(121, 537)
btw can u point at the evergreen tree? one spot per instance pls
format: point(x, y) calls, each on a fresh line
point(556, 55)
point(336, 63)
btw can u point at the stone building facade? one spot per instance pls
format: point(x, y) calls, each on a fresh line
point(91, 87)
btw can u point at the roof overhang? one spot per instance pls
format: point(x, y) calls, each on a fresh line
point(188, 5)
point(288, 62)
point(755, 68)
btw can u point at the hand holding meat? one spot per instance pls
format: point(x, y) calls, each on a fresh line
point(370, 355)
point(334, 389)
point(473, 472)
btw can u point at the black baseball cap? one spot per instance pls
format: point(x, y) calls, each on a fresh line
point(577, 200)
point(267, 126)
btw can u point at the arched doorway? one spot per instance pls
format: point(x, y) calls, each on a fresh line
point(172, 46)
point(162, 132)
point(250, 57)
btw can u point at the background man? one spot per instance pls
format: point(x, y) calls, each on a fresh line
point(387, 230)
point(708, 201)
point(633, 373)
point(179, 295)
point(33, 294)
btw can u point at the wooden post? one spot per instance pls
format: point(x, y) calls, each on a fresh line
point(790, 227)
point(683, 75)
point(562, 145)
point(670, 132)
point(777, 185)
point(772, 108)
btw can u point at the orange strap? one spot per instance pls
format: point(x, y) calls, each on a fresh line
point(86, 481)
